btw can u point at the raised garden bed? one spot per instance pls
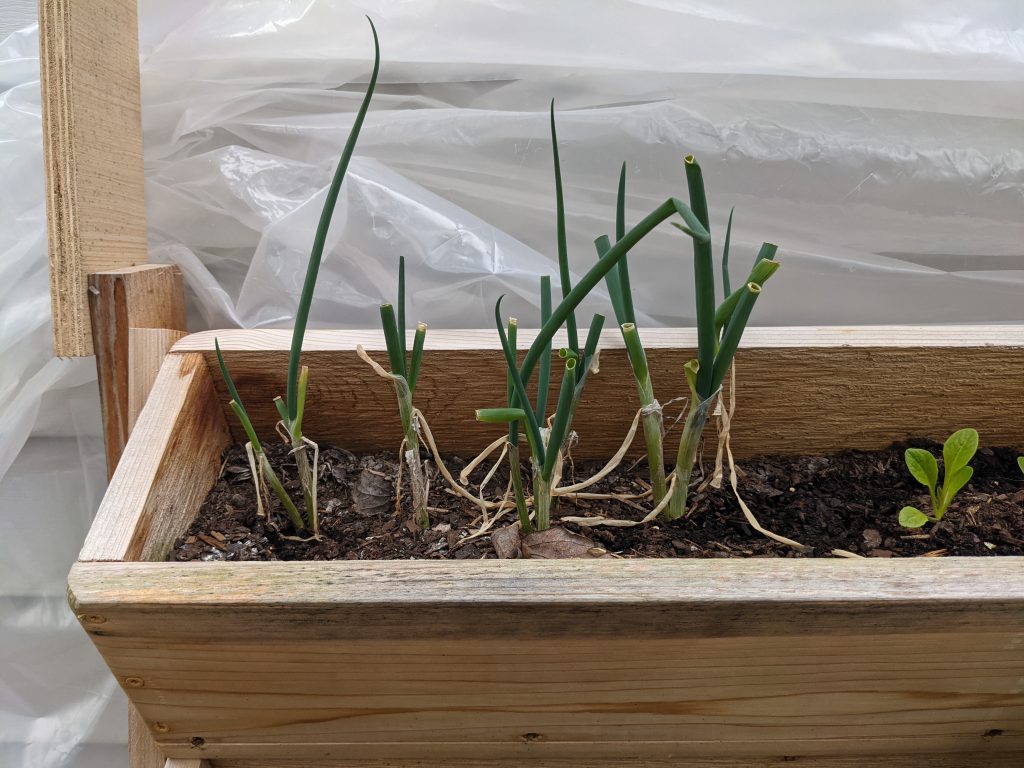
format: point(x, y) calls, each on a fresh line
point(834, 662)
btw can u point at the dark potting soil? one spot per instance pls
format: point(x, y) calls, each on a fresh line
point(845, 502)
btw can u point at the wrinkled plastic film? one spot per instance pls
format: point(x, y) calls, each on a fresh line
point(879, 150)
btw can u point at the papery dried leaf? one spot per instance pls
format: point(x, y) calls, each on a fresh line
point(558, 544)
point(372, 494)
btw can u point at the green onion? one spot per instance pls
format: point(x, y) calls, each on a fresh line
point(544, 373)
point(618, 283)
point(563, 252)
point(718, 335)
point(500, 415)
point(704, 279)
point(533, 427)
point(726, 289)
point(392, 339)
point(320, 239)
point(405, 377)
point(514, 463)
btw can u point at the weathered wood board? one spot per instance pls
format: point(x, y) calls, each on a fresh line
point(798, 389)
point(731, 662)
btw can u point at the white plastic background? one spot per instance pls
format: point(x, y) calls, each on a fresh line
point(879, 143)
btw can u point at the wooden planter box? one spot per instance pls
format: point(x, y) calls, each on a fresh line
point(656, 662)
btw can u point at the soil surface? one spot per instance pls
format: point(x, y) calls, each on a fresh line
point(844, 502)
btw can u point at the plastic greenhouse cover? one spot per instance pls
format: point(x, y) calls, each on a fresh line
point(878, 144)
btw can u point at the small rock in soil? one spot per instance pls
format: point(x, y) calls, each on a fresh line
point(872, 538)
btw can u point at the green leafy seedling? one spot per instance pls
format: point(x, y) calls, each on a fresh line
point(957, 452)
point(1020, 463)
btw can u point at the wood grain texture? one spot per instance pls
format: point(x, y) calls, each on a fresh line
point(148, 296)
point(143, 751)
point(587, 659)
point(184, 762)
point(147, 348)
point(92, 139)
point(167, 467)
point(799, 390)
point(987, 760)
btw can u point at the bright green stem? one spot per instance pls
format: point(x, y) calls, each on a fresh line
point(306, 478)
point(513, 424)
point(320, 239)
point(696, 419)
point(393, 339)
point(417, 473)
point(704, 281)
point(544, 380)
point(562, 420)
point(563, 253)
point(264, 464)
point(275, 484)
point(515, 472)
point(417, 354)
point(764, 268)
point(653, 433)
point(605, 263)
point(542, 499)
point(651, 410)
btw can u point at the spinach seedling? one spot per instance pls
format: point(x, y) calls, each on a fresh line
point(957, 451)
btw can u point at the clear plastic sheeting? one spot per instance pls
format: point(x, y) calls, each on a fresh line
point(877, 143)
point(58, 704)
point(879, 148)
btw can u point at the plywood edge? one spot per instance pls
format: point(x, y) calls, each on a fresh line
point(167, 467)
point(867, 336)
point(92, 140)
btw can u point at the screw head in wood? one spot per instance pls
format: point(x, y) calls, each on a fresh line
point(161, 727)
point(93, 619)
point(134, 682)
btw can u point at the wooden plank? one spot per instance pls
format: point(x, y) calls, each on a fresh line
point(147, 348)
point(167, 468)
point(728, 597)
point(961, 760)
point(798, 389)
point(92, 139)
point(183, 762)
point(578, 659)
point(150, 296)
point(143, 751)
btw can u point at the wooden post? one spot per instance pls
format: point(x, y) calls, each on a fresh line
point(149, 296)
point(137, 315)
point(146, 350)
point(92, 140)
